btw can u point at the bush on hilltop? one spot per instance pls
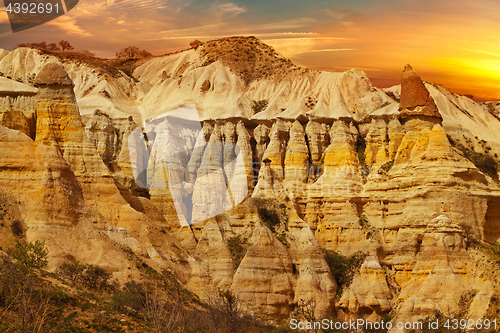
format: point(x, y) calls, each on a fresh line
point(133, 52)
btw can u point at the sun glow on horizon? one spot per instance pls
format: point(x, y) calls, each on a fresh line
point(450, 42)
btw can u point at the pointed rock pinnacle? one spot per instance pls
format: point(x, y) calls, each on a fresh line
point(415, 98)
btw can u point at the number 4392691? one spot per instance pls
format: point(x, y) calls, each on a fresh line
point(470, 324)
point(32, 8)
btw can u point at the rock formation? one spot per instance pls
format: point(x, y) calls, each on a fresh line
point(317, 136)
point(264, 280)
point(327, 162)
point(415, 98)
point(315, 283)
point(15, 120)
point(369, 292)
point(17, 106)
point(416, 105)
point(261, 135)
point(272, 170)
point(435, 286)
point(59, 125)
point(296, 161)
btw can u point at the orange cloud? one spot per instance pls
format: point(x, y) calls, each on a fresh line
point(453, 44)
point(69, 25)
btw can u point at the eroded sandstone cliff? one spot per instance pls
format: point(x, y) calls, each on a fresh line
point(330, 163)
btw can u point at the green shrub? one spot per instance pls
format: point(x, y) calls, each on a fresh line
point(131, 299)
point(365, 170)
point(305, 310)
point(363, 220)
point(238, 247)
point(17, 228)
point(72, 271)
point(343, 268)
point(95, 277)
point(274, 217)
point(90, 276)
point(495, 248)
point(270, 217)
point(386, 167)
point(30, 256)
point(23, 295)
point(225, 312)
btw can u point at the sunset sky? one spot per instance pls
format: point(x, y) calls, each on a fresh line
point(452, 42)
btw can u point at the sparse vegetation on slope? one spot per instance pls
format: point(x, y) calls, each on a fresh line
point(274, 217)
point(33, 300)
point(238, 247)
point(343, 268)
point(493, 108)
point(258, 106)
point(127, 59)
point(483, 161)
point(89, 276)
point(24, 300)
point(360, 149)
point(12, 228)
point(386, 167)
point(248, 57)
point(63, 45)
point(133, 52)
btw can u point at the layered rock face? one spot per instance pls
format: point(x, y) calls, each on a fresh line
point(15, 120)
point(48, 183)
point(66, 194)
point(415, 98)
point(369, 292)
point(417, 106)
point(49, 200)
point(59, 125)
point(330, 162)
point(17, 106)
point(442, 265)
point(264, 280)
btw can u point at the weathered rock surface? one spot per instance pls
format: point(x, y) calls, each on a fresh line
point(15, 120)
point(272, 170)
point(296, 161)
point(440, 274)
point(369, 293)
point(317, 136)
point(59, 125)
point(109, 211)
point(415, 98)
point(410, 208)
point(243, 171)
point(17, 106)
point(264, 280)
point(376, 140)
point(51, 205)
point(328, 209)
point(396, 133)
point(261, 135)
point(43, 180)
point(214, 267)
point(315, 284)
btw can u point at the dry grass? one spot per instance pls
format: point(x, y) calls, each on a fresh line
point(33, 300)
